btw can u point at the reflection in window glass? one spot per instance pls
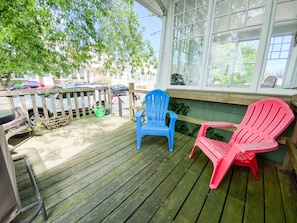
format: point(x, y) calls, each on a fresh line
point(233, 54)
point(189, 31)
point(177, 34)
point(201, 13)
point(221, 24)
point(188, 42)
point(222, 8)
point(189, 17)
point(256, 3)
point(202, 2)
point(199, 28)
point(255, 16)
point(277, 59)
point(239, 5)
point(186, 61)
point(179, 7)
point(232, 30)
point(286, 10)
point(232, 63)
point(178, 20)
point(237, 20)
point(190, 4)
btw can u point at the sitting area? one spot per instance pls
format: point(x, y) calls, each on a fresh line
point(11, 204)
point(114, 182)
point(19, 125)
point(118, 183)
point(155, 116)
point(263, 122)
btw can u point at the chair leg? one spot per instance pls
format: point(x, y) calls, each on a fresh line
point(254, 168)
point(219, 171)
point(40, 207)
point(138, 140)
point(171, 142)
point(251, 163)
point(193, 151)
point(138, 144)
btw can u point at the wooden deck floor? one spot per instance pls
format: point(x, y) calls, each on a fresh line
point(113, 182)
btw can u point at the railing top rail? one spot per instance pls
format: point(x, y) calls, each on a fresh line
point(51, 91)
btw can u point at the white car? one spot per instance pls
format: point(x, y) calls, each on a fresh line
point(57, 104)
point(6, 112)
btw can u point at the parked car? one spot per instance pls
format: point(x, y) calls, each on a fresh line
point(119, 90)
point(38, 99)
point(29, 85)
point(6, 112)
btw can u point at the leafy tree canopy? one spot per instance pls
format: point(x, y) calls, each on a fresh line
point(59, 36)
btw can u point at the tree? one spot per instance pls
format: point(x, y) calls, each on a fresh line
point(59, 36)
point(234, 63)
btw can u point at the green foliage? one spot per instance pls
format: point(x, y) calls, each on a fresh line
point(181, 109)
point(59, 36)
point(212, 135)
point(178, 108)
point(243, 70)
point(181, 126)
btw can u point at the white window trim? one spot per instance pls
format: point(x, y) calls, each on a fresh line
point(165, 57)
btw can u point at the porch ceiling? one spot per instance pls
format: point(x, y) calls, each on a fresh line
point(155, 6)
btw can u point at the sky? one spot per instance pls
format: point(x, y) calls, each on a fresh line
point(152, 25)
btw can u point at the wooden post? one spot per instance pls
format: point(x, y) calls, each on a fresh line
point(131, 101)
point(110, 99)
point(289, 162)
point(294, 136)
point(120, 101)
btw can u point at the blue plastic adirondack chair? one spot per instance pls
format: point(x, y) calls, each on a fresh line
point(155, 112)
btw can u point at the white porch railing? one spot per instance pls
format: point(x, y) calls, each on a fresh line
point(76, 102)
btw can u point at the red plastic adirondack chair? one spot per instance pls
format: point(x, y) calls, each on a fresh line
point(263, 122)
point(156, 111)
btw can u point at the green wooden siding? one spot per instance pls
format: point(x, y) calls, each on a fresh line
point(215, 111)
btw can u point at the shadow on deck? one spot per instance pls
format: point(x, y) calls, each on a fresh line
point(110, 181)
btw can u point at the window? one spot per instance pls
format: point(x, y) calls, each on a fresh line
point(234, 44)
point(277, 59)
point(232, 64)
point(281, 45)
point(190, 18)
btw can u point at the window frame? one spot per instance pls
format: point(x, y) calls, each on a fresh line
point(262, 54)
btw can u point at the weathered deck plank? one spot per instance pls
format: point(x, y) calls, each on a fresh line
point(135, 201)
point(111, 181)
point(152, 204)
point(174, 202)
point(115, 184)
point(195, 200)
point(234, 206)
point(289, 194)
point(214, 202)
point(272, 194)
point(254, 197)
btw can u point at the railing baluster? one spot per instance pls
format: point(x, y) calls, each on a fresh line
point(67, 100)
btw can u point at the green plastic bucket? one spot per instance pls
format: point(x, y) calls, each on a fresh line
point(99, 112)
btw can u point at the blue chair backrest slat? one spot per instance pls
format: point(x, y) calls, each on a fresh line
point(156, 106)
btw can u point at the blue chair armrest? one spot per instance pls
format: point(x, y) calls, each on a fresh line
point(172, 115)
point(139, 114)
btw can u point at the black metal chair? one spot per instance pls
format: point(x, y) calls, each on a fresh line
point(10, 205)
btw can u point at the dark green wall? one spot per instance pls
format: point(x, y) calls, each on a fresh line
point(213, 111)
